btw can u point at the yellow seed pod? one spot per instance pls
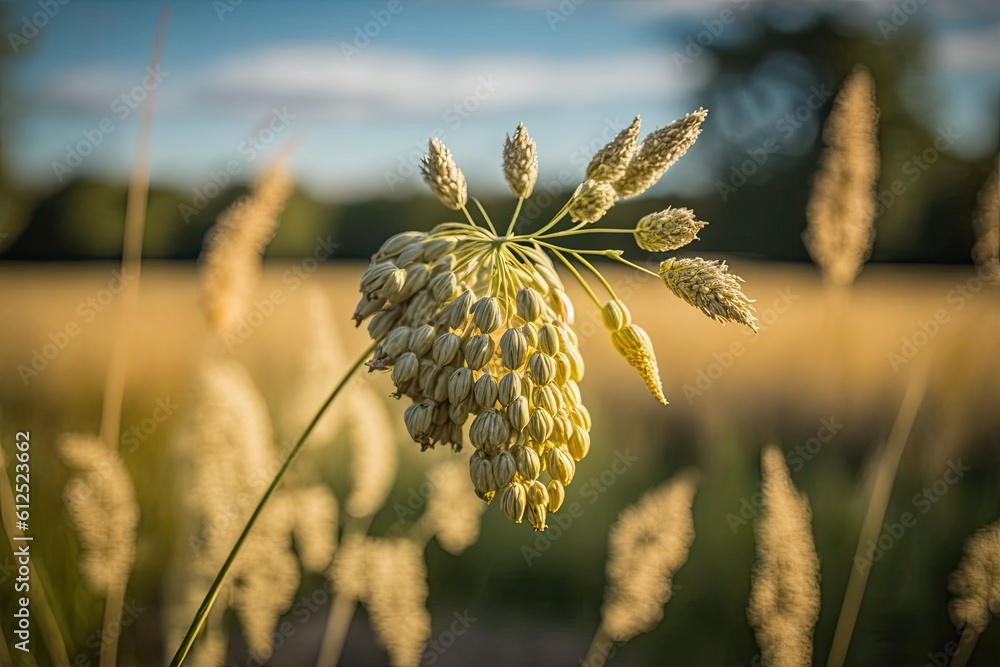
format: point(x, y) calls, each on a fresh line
point(540, 425)
point(487, 315)
point(418, 419)
point(548, 339)
point(445, 348)
point(486, 391)
point(542, 367)
point(513, 349)
point(560, 465)
point(527, 461)
point(571, 393)
point(537, 494)
point(504, 468)
point(530, 304)
point(579, 443)
point(530, 332)
point(633, 343)
point(544, 397)
point(460, 385)
point(575, 360)
point(581, 417)
point(615, 315)
point(562, 368)
point(557, 494)
point(513, 501)
point(536, 516)
point(517, 413)
point(509, 388)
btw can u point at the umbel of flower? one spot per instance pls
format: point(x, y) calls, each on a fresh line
point(475, 327)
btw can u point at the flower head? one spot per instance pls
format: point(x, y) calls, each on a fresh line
point(708, 286)
point(475, 327)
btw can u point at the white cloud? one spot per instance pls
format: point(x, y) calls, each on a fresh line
point(318, 81)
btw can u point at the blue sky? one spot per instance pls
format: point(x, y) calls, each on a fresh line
point(235, 85)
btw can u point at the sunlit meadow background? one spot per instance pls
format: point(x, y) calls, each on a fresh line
point(354, 110)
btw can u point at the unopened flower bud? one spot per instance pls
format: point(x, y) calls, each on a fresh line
point(485, 391)
point(445, 348)
point(486, 314)
point(509, 386)
point(542, 367)
point(513, 349)
point(460, 385)
point(530, 305)
point(557, 494)
point(513, 501)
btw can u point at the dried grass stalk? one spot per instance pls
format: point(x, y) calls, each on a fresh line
point(986, 224)
point(647, 545)
point(841, 208)
point(975, 585)
point(784, 594)
point(234, 246)
point(101, 502)
point(452, 511)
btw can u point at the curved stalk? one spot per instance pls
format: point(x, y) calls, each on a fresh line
point(213, 592)
point(513, 219)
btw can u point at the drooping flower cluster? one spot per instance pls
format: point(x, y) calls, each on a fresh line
point(476, 328)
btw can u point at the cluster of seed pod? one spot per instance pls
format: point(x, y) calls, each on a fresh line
point(506, 365)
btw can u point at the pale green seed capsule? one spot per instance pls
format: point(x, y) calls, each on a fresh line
point(418, 419)
point(504, 468)
point(542, 367)
point(396, 342)
point(440, 390)
point(444, 265)
point(481, 473)
point(529, 465)
point(445, 348)
point(367, 306)
point(429, 374)
point(392, 288)
point(422, 339)
point(374, 277)
point(396, 244)
point(513, 501)
point(579, 443)
point(441, 417)
point(560, 465)
point(455, 314)
point(443, 286)
point(527, 386)
point(382, 322)
point(436, 248)
point(489, 430)
point(513, 349)
point(548, 339)
point(530, 305)
point(486, 391)
point(517, 413)
point(487, 315)
point(405, 369)
point(417, 276)
point(457, 412)
point(557, 494)
point(411, 255)
point(540, 425)
point(615, 315)
point(460, 385)
point(509, 388)
point(478, 351)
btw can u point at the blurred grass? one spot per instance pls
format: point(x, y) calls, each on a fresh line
point(825, 356)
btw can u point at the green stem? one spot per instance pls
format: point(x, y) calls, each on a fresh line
point(592, 230)
point(206, 606)
point(513, 220)
point(578, 257)
point(555, 220)
point(576, 274)
point(485, 217)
